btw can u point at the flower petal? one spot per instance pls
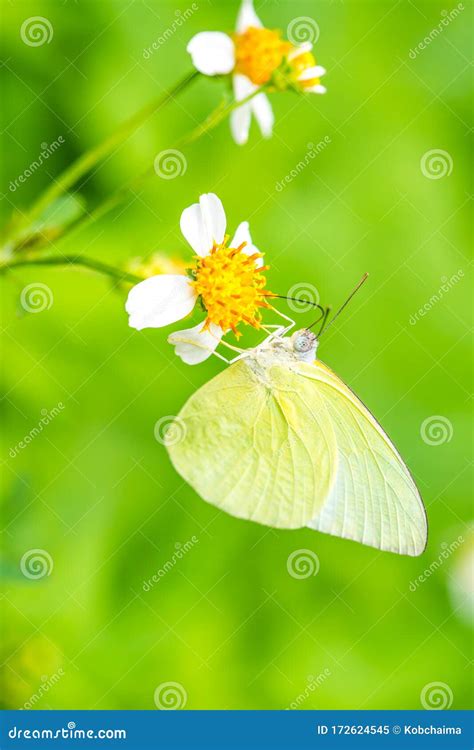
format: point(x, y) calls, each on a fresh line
point(204, 223)
point(243, 235)
point(240, 124)
point(315, 72)
point(159, 301)
point(240, 117)
point(318, 89)
point(263, 112)
point(300, 50)
point(212, 52)
point(194, 345)
point(247, 17)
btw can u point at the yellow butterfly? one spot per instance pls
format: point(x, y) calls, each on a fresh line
point(279, 439)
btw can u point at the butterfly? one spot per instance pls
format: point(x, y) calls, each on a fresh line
point(279, 439)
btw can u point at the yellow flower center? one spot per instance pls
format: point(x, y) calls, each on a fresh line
point(301, 63)
point(258, 53)
point(231, 287)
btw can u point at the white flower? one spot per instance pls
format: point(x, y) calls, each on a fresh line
point(256, 57)
point(227, 278)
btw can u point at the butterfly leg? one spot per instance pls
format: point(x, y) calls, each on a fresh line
point(285, 329)
point(233, 348)
point(272, 331)
point(276, 331)
point(268, 329)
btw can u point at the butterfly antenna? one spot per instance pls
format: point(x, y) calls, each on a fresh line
point(303, 302)
point(324, 327)
point(320, 320)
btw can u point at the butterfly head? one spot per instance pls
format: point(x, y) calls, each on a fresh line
point(281, 349)
point(304, 343)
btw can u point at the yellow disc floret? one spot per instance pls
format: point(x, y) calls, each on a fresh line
point(299, 64)
point(231, 287)
point(258, 53)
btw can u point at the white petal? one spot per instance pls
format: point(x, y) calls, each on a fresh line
point(240, 124)
point(204, 223)
point(263, 112)
point(247, 17)
point(243, 87)
point(243, 235)
point(301, 50)
point(316, 89)
point(212, 52)
point(159, 301)
point(315, 72)
point(240, 117)
point(194, 345)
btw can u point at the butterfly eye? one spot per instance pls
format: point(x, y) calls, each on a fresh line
point(304, 341)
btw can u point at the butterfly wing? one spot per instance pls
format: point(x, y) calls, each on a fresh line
point(258, 444)
point(374, 499)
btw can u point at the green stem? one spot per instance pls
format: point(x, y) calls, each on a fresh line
point(85, 162)
point(216, 117)
point(75, 260)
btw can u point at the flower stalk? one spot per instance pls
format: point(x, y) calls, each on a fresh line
point(113, 272)
point(90, 158)
point(213, 120)
point(254, 60)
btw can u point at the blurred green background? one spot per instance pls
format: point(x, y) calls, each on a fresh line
point(96, 491)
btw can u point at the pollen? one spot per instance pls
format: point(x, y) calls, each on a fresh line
point(231, 287)
point(259, 52)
